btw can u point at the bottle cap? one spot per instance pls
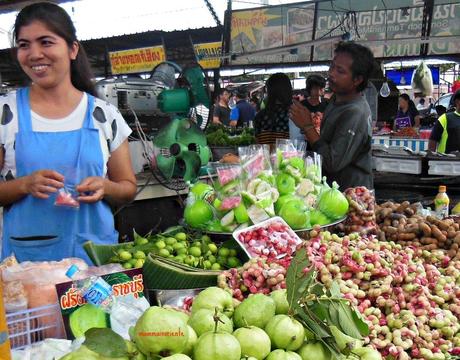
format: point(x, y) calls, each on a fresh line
point(442, 188)
point(71, 271)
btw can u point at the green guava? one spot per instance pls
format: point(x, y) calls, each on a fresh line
point(314, 351)
point(280, 354)
point(253, 341)
point(213, 297)
point(283, 200)
point(160, 331)
point(280, 298)
point(177, 357)
point(191, 341)
point(295, 214)
point(201, 190)
point(217, 346)
point(256, 310)
point(285, 332)
point(367, 353)
point(285, 183)
point(241, 214)
point(344, 341)
point(198, 214)
point(86, 317)
point(318, 218)
point(203, 321)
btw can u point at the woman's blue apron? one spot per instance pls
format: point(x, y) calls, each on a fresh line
point(37, 230)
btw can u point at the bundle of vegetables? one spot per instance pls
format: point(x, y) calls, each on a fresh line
point(402, 223)
point(220, 135)
point(410, 297)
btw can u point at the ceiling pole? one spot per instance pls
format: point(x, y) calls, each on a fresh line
point(428, 8)
point(213, 12)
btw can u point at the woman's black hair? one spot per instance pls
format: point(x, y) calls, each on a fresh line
point(412, 108)
point(315, 80)
point(279, 91)
point(59, 22)
point(363, 61)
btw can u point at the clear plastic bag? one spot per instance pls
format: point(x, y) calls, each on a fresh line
point(285, 150)
point(68, 195)
point(361, 215)
point(227, 184)
point(313, 167)
point(255, 161)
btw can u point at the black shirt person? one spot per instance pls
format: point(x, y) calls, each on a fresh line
point(346, 130)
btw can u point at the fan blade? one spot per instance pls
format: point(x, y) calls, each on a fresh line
point(167, 135)
point(166, 165)
point(189, 133)
point(192, 165)
point(204, 154)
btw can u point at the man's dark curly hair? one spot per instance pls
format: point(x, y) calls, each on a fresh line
point(363, 60)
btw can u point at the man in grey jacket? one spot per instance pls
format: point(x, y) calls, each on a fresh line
point(346, 129)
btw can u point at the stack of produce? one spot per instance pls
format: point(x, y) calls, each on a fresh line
point(192, 249)
point(409, 296)
point(219, 135)
point(253, 192)
point(402, 223)
point(258, 328)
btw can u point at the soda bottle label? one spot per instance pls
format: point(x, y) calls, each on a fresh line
point(98, 292)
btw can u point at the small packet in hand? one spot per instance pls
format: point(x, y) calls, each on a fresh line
point(67, 197)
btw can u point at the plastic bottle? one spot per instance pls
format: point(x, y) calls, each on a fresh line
point(5, 353)
point(96, 291)
point(441, 203)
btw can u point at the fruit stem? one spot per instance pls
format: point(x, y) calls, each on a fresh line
point(216, 319)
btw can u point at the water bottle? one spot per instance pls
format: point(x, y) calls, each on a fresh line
point(96, 291)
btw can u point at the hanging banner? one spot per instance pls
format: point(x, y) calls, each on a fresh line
point(446, 15)
point(400, 19)
point(271, 27)
point(209, 54)
point(136, 60)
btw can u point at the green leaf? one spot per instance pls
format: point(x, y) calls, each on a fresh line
point(320, 310)
point(316, 327)
point(360, 323)
point(335, 290)
point(296, 280)
point(347, 324)
point(105, 342)
point(334, 314)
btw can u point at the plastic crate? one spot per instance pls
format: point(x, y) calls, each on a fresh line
point(398, 165)
point(33, 325)
point(444, 167)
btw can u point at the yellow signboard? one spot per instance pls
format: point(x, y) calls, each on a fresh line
point(209, 54)
point(136, 60)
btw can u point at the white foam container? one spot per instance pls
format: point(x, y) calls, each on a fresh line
point(443, 167)
point(398, 165)
point(264, 224)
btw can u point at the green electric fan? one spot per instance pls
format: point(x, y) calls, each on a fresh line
point(180, 147)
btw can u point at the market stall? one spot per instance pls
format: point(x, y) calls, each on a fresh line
point(267, 252)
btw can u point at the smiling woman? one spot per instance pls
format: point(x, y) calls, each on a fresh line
point(56, 135)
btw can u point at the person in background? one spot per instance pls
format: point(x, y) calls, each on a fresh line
point(255, 102)
point(272, 122)
point(221, 112)
point(55, 133)
point(346, 131)
point(445, 136)
point(315, 102)
point(243, 113)
point(407, 115)
point(421, 104)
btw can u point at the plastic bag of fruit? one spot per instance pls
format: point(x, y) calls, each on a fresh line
point(255, 162)
point(227, 184)
point(287, 152)
point(361, 215)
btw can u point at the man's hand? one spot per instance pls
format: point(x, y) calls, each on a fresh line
point(92, 189)
point(300, 115)
point(43, 182)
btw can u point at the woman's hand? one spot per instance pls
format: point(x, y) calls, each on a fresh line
point(92, 189)
point(43, 182)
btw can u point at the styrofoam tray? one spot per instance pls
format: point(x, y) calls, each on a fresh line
point(398, 165)
point(444, 167)
point(264, 224)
